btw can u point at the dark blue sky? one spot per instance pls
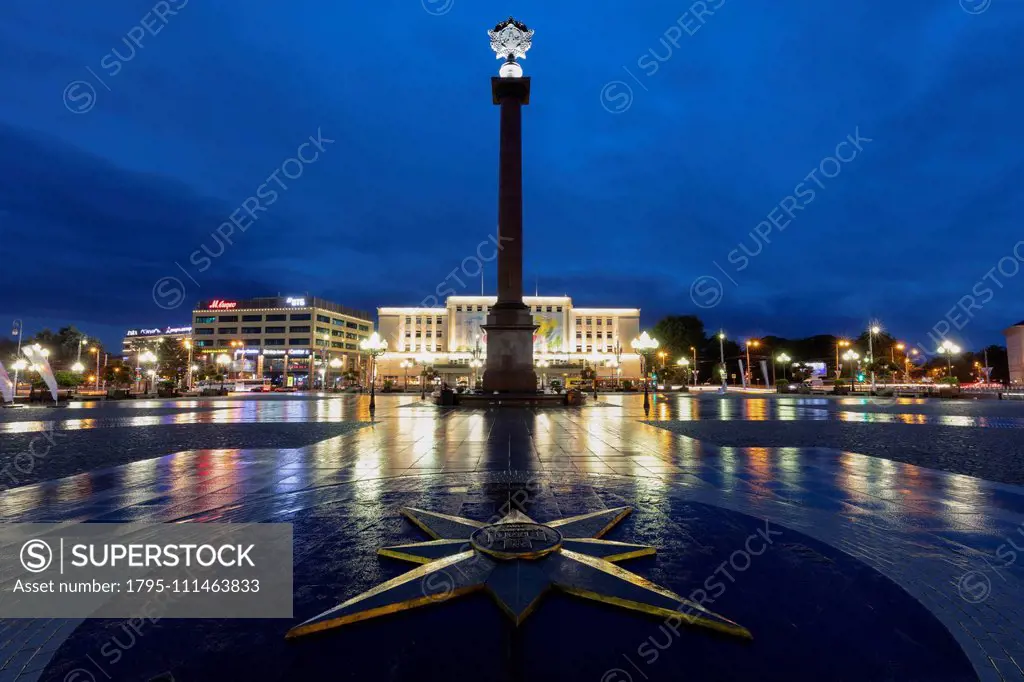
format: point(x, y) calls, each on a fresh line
point(634, 205)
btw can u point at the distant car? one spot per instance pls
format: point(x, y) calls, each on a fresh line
point(284, 389)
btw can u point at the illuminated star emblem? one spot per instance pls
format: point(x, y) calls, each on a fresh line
point(511, 39)
point(517, 560)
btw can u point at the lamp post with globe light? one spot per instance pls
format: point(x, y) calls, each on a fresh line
point(425, 360)
point(872, 330)
point(645, 347)
point(405, 365)
point(374, 347)
point(543, 363)
point(684, 363)
point(949, 349)
point(721, 357)
point(148, 357)
point(335, 364)
point(784, 360)
point(18, 330)
point(852, 356)
point(223, 360)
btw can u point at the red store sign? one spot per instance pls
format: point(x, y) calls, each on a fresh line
point(218, 304)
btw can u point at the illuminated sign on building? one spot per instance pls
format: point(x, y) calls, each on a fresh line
point(217, 304)
point(159, 332)
point(296, 302)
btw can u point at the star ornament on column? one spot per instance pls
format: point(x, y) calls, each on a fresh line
point(516, 561)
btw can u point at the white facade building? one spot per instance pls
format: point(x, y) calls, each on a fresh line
point(451, 340)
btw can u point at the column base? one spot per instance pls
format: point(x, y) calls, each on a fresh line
point(509, 368)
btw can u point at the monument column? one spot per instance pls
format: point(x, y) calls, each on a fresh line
point(510, 324)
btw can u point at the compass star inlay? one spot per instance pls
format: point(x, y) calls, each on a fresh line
point(516, 560)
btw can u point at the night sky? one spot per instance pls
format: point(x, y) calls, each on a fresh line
point(656, 141)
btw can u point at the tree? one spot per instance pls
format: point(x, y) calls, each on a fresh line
point(677, 333)
point(117, 374)
point(800, 372)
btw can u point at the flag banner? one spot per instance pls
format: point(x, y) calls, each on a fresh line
point(6, 385)
point(42, 365)
point(743, 374)
point(764, 371)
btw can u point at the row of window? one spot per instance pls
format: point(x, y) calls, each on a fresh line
point(255, 343)
point(419, 320)
point(294, 329)
point(294, 317)
point(607, 335)
point(579, 321)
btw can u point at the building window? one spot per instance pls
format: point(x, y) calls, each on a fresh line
point(337, 344)
point(599, 322)
point(252, 343)
point(228, 318)
point(273, 342)
point(205, 320)
point(227, 330)
point(549, 309)
point(298, 342)
point(275, 330)
point(299, 329)
point(323, 318)
point(579, 322)
point(350, 346)
point(440, 320)
point(276, 318)
point(252, 330)
point(340, 323)
point(579, 349)
point(609, 320)
point(252, 318)
point(350, 335)
point(301, 316)
point(204, 343)
point(323, 330)
point(363, 328)
point(590, 320)
point(558, 309)
point(458, 308)
point(337, 333)
point(353, 325)
point(204, 331)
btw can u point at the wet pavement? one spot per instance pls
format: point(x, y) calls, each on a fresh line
point(883, 569)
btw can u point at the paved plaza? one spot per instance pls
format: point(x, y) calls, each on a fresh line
point(888, 532)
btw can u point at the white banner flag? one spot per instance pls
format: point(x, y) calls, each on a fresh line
point(743, 374)
point(42, 365)
point(6, 385)
point(764, 370)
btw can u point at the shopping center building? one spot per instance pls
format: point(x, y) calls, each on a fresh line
point(452, 342)
point(1015, 352)
point(292, 340)
point(151, 338)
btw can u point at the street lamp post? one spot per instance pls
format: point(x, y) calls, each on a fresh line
point(721, 357)
point(750, 375)
point(543, 363)
point(852, 356)
point(840, 343)
point(336, 364)
point(645, 345)
point(18, 329)
point(223, 359)
point(618, 365)
point(784, 359)
point(405, 367)
point(373, 347)
point(693, 349)
point(949, 349)
point(872, 330)
point(595, 360)
point(147, 356)
point(96, 350)
point(188, 378)
point(425, 360)
point(684, 363)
